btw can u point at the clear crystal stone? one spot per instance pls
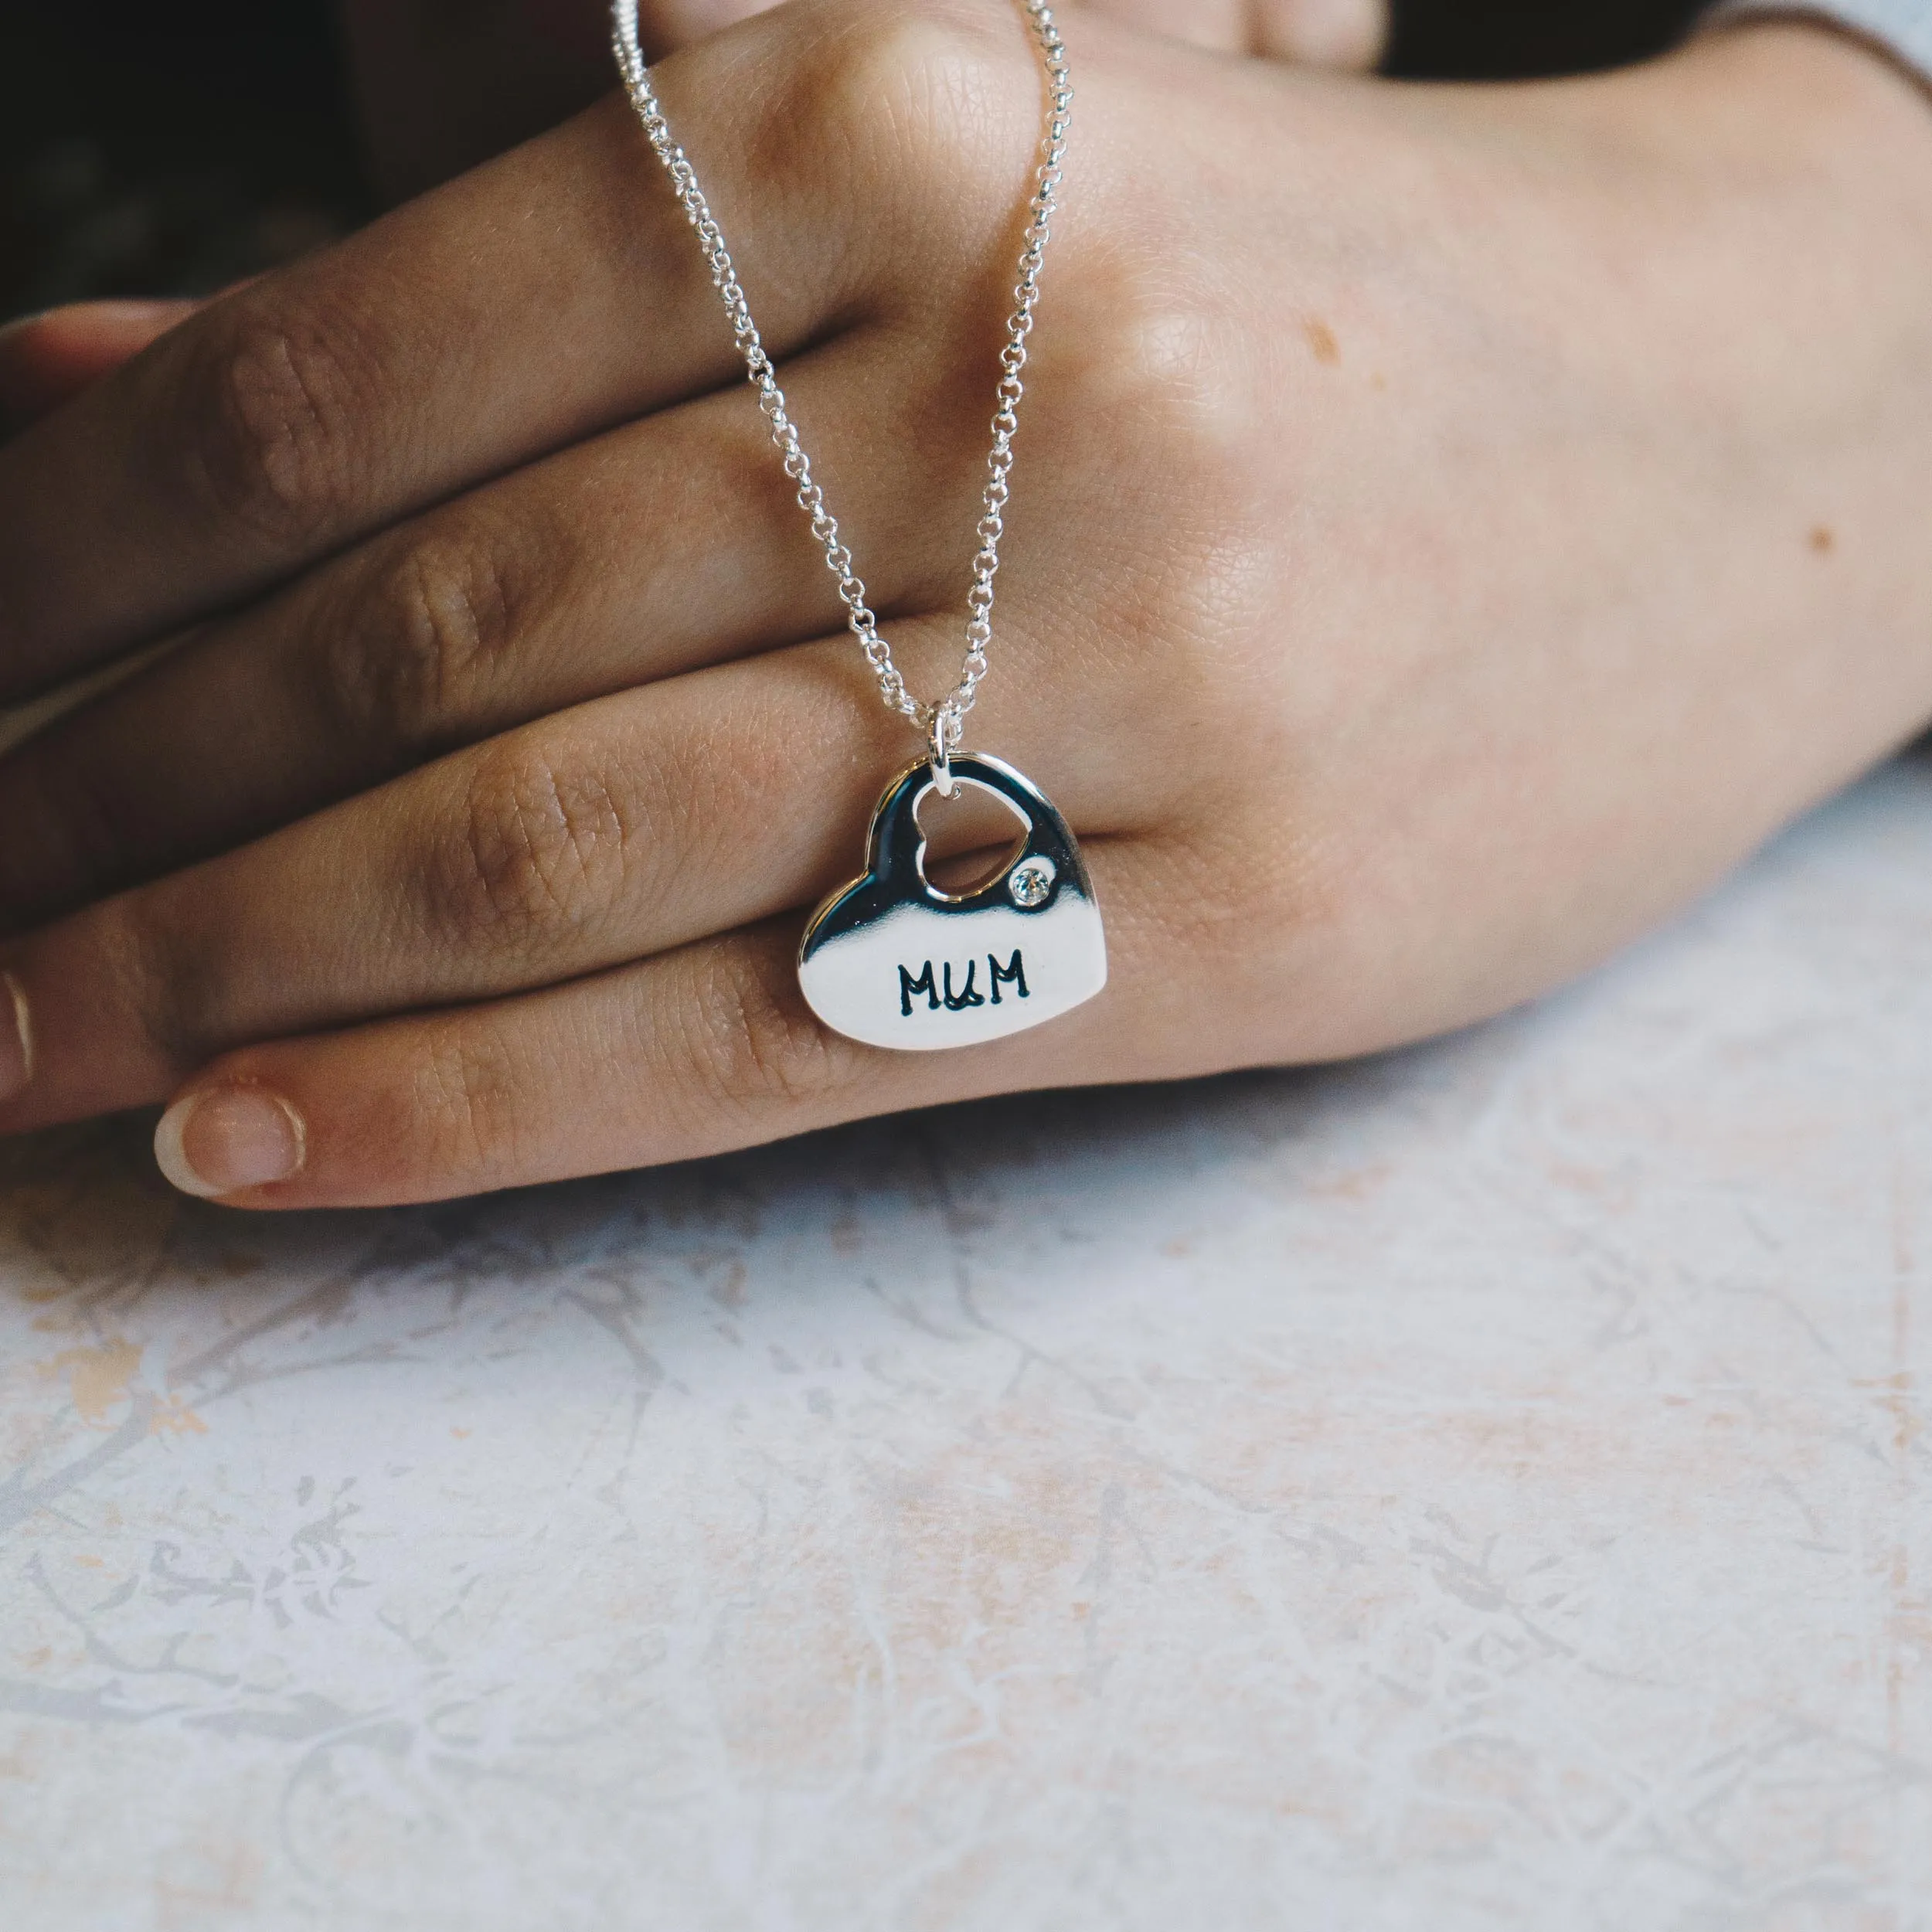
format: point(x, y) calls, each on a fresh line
point(1030, 883)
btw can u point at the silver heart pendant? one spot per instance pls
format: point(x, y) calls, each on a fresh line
point(893, 960)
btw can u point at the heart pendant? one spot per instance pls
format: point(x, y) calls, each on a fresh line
point(893, 960)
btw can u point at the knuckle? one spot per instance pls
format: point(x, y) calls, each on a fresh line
point(912, 93)
point(927, 61)
point(542, 851)
point(402, 665)
point(271, 405)
point(1182, 412)
point(1179, 380)
point(752, 1043)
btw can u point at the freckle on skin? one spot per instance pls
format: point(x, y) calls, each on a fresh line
point(1824, 540)
point(1322, 341)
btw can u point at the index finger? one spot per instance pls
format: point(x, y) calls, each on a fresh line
point(549, 295)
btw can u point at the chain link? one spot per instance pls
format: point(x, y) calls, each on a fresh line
point(944, 718)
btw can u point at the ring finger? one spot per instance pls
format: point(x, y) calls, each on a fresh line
point(621, 827)
point(688, 1053)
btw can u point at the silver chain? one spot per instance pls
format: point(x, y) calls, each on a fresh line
point(943, 719)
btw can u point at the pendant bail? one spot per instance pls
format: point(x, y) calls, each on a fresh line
point(943, 737)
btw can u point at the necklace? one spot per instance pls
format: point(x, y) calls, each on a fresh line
point(891, 959)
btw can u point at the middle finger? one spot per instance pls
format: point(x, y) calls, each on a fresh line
point(661, 547)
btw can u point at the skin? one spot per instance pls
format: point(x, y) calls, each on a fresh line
point(1452, 526)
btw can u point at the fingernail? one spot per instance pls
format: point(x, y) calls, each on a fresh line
point(16, 1037)
point(228, 1138)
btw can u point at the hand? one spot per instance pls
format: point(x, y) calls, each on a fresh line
point(1451, 526)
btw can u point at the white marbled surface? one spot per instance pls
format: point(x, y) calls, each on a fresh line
point(1486, 1488)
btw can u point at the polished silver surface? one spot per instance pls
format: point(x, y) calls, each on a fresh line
point(893, 960)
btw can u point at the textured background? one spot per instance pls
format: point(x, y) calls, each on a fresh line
point(1483, 1489)
point(169, 149)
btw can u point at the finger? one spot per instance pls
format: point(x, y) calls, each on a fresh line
point(550, 295)
point(696, 1051)
point(414, 358)
point(662, 546)
point(640, 822)
point(46, 359)
point(1350, 35)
